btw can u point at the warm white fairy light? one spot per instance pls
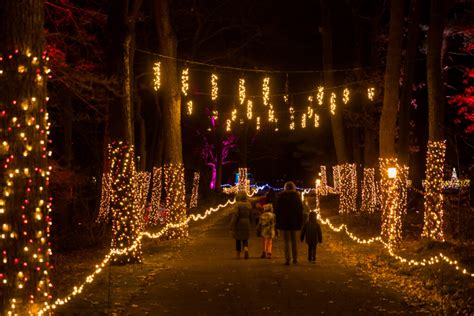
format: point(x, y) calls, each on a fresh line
point(336, 178)
point(271, 113)
point(276, 124)
point(257, 126)
point(242, 94)
point(310, 107)
point(175, 202)
point(303, 120)
point(242, 184)
point(345, 96)
point(185, 81)
point(215, 114)
point(189, 107)
point(332, 103)
point(369, 193)
point(348, 188)
point(228, 125)
point(320, 95)
point(249, 109)
point(141, 182)
point(285, 98)
point(371, 93)
point(266, 91)
point(157, 75)
point(316, 120)
point(104, 208)
point(214, 87)
point(195, 192)
point(323, 188)
point(292, 117)
point(434, 203)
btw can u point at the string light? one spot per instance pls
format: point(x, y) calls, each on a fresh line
point(234, 114)
point(271, 113)
point(175, 201)
point(310, 106)
point(434, 202)
point(371, 93)
point(345, 96)
point(336, 178)
point(215, 115)
point(249, 109)
point(303, 120)
point(257, 127)
point(195, 192)
point(25, 204)
point(156, 194)
point(228, 125)
point(185, 81)
point(332, 103)
point(347, 188)
point(292, 117)
point(214, 87)
point(157, 75)
point(189, 107)
point(285, 98)
point(320, 95)
point(316, 120)
point(266, 91)
point(276, 125)
point(242, 95)
point(323, 188)
point(369, 194)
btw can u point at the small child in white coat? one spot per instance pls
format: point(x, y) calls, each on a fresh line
point(266, 225)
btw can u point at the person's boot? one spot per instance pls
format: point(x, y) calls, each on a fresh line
point(263, 256)
point(238, 254)
point(246, 253)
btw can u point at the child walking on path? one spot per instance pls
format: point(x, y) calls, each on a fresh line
point(267, 228)
point(314, 236)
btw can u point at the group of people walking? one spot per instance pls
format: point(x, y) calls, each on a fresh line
point(285, 214)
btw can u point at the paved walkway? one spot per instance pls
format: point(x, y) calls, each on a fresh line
point(203, 277)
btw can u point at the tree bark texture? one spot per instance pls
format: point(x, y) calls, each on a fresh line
point(170, 88)
point(24, 176)
point(408, 74)
point(388, 120)
point(336, 119)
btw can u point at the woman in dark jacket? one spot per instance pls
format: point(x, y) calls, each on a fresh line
point(289, 218)
point(312, 231)
point(240, 225)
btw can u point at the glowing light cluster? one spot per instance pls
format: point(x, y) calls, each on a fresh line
point(369, 193)
point(25, 205)
point(257, 122)
point(394, 198)
point(189, 107)
point(266, 91)
point(249, 109)
point(292, 117)
point(228, 125)
point(347, 188)
point(242, 94)
point(175, 201)
point(195, 192)
point(332, 103)
point(126, 220)
point(316, 120)
point(371, 93)
point(310, 109)
point(215, 115)
point(345, 96)
point(156, 191)
point(320, 95)
point(214, 87)
point(185, 81)
point(303, 120)
point(157, 75)
point(434, 202)
point(323, 188)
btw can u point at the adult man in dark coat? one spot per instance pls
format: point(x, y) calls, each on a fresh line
point(289, 218)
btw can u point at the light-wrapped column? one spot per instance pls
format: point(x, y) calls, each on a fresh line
point(175, 202)
point(369, 191)
point(347, 188)
point(323, 188)
point(194, 195)
point(242, 185)
point(157, 187)
point(142, 185)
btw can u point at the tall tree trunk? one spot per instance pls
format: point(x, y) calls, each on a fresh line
point(171, 95)
point(336, 119)
point(408, 74)
point(121, 157)
point(393, 199)
point(433, 223)
point(388, 120)
point(25, 204)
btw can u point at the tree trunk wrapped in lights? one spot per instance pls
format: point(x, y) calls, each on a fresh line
point(25, 205)
point(369, 191)
point(157, 187)
point(323, 189)
point(142, 185)
point(175, 202)
point(348, 188)
point(434, 203)
point(394, 198)
point(104, 207)
point(195, 193)
point(125, 218)
point(242, 185)
point(336, 176)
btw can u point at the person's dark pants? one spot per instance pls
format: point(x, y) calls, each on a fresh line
point(311, 252)
point(290, 235)
point(241, 243)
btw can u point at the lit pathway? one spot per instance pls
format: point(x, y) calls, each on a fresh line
point(204, 278)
